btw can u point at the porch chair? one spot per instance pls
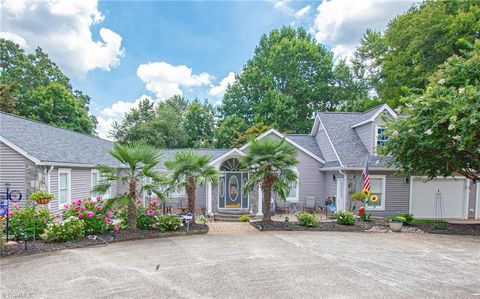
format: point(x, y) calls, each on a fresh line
point(309, 204)
point(282, 206)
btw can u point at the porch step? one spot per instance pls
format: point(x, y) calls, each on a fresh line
point(229, 216)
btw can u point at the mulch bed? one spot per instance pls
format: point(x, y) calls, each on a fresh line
point(450, 229)
point(101, 239)
point(359, 226)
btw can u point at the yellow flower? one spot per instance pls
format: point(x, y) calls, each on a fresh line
point(374, 198)
point(366, 192)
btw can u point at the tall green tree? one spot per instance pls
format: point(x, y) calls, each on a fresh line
point(141, 161)
point(289, 70)
point(229, 131)
point(25, 75)
point(189, 170)
point(400, 61)
point(440, 135)
point(270, 164)
point(199, 124)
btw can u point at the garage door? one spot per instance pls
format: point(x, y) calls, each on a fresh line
point(453, 195)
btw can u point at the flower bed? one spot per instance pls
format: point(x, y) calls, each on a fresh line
point(102, 239)
point(322, 226)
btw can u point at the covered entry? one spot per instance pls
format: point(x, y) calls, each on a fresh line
point(453, 193)
point(230, 185)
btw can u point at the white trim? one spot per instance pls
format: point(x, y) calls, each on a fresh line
point(209, 198)
point(384, 194)
point(358, 168)
point(467, 197)
point(260, 201)
point(297, 193)
point(331, 143)
point(273, 131)
point(94, 171)
point(477, 201)
point(341, 206)
point(233, 151)
point(410, 203)
point(371, 119)
point(69, 187)
point(314, 130)
point(19, 150)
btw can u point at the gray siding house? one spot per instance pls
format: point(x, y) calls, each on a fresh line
point(331, 158)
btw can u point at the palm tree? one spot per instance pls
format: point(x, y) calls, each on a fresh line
point(270, 164)
point(189, 169)
point(140, 175)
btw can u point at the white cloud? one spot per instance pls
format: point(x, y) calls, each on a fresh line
point(115, 112)
point(302, 12)
point(166, 80)
point(63, 30)
point(341, 23)
point(219, 90)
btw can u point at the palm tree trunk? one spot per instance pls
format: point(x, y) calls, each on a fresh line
point(191, 196)
point(267, 196)
point(132, 209)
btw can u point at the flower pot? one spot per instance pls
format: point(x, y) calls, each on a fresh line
point(42, 201)
point(395, 226)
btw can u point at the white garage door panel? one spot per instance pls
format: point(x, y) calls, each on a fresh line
point(453, 194)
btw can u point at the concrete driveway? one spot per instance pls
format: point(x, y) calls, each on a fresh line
point(255, 265)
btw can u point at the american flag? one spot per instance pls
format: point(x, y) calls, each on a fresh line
point(366, 180)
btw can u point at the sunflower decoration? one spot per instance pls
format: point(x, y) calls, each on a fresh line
point(366, 192)
point(373, 199)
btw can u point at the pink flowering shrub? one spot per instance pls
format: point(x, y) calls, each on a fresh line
point(146, 217)
point(96, 219)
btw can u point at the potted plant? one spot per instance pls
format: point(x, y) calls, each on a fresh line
point(396, 223)
point(41, 197)
point(359, 196)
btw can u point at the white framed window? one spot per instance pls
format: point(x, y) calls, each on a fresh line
point(380, 137)
point(64, 187)
point(377, 188)
point(293, 195)
point(97, 178)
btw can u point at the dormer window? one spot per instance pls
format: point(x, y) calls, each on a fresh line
point(380, 137)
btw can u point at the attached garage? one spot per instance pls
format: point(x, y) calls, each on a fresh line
point(453, 193)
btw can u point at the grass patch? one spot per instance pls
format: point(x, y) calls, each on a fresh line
point(426, 221)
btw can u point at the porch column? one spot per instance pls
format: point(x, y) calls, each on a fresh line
point(260, 201)
point(209, 198)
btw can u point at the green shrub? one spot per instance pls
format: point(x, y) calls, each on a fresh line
point(70, 229)
point(244, 218)
point(168, 223)
point(345, 218)
point(21, 222)
point(201, 219)
point(408, 217)
point(307, 219)
point(397, 218)
point(146, 218)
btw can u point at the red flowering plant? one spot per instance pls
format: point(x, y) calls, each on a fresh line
point(147, 216)
point(96, 218)
point(364, 216)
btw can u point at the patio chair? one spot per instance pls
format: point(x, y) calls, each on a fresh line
point(282, 206)
point(309, 204)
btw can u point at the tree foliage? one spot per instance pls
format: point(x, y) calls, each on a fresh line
point(141, 174)
point(270, 164)
point(440, 135)
point(173, 123)
point(286, 80)
point(228, 131)
point(31, 83)
point(400, 61)
point(189, 170)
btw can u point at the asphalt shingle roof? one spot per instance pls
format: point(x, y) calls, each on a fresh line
point(52, 144)
point(308, 142)
point(350, 148)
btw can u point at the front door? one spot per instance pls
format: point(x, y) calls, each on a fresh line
point(231, 194)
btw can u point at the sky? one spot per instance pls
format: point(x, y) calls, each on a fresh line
point(119, 52)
